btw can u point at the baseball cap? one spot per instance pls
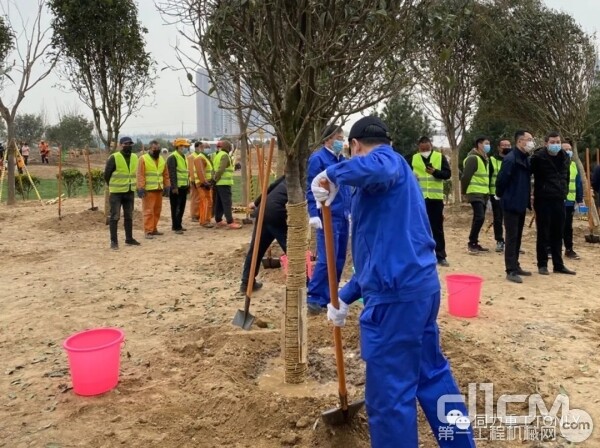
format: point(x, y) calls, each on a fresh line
point(125, 141)
point(369, 127)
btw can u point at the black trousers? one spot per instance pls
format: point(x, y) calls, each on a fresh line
point(223, 203)
point(177, 202)
point(513, 229)
point(568, 232)
point(435, 212)
point(268, 234)
point(116, 201)
point(550, 224)
point(497, 211)
point(478, 220)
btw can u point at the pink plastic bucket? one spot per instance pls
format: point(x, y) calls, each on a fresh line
point(309, 265)
point(94, 359)
point(464, 292)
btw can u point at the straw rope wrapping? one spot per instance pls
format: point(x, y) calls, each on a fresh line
point(294, 318)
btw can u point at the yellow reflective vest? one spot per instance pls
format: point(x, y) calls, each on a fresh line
point(227, 177)
point(572, 185)
point(182, 170)
point(123, 179)
point(496, 165)
point(431, 187)
point(480, 182)
point(154, 172)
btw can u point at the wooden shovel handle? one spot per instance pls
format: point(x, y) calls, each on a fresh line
point(333, 293)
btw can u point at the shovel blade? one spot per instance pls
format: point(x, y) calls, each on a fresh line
point(243, 319)
point(338, 416)
point(271, 263)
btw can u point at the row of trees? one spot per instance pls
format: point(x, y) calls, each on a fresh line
point(72, 130)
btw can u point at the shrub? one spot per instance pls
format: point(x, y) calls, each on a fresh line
point(72, 180)
point(97, 180)
point(23, 186)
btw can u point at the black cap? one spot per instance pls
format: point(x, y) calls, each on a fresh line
point(329, 131)
point(369, 127)
point(126, 141)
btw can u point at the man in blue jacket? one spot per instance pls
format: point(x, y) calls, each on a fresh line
point(394, 256)
point(574, 196)
point(330, 154)
point(513, 188)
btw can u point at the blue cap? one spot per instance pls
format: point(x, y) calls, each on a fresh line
point(125, 141)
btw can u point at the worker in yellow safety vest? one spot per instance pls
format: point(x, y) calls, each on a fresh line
point(475, 183)
point(431, 169)
point(120, 176)
point(504, 147)
point(222, 183)
point(574, 196)
point(179, 177)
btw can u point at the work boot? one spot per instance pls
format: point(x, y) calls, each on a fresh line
point(114, 245)
point(572, 255)
point(543, 271)
point(257, 285)
point(472, 249)
point(443, 262)
point(132, 242)
point(514, 277)
point(523, 273)
point(500, 246)
point(563, 270)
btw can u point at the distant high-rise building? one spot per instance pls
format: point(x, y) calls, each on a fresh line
point(212, 121)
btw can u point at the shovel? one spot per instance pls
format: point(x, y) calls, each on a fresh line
point(243, 318)
point(346, 411)
point(89, 169)
point(247, 219)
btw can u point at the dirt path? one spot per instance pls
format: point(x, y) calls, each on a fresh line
point(189, 378)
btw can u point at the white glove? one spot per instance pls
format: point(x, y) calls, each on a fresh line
point(322, 194)
point(338, 317)
point(496, 198)
point(315, 223)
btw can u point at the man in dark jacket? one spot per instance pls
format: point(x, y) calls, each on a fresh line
point(513, 188)
point(475, 183)
point(274, 228)
point(550, 169)
point(596, 184)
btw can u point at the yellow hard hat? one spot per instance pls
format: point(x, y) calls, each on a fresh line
point(180, 141)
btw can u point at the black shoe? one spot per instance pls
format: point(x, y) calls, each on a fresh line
point(132, 242)
point(255, 287)
point(184, 229)
point(514, 277)
point(314, 308)
point(114, 245)
point(481, 249)
point(178, 232)
point(472, 249)
point(500, 246)
point(523, 273)
point(563, 270)
point(543, 271)
point(572, 255)
point(443, 262)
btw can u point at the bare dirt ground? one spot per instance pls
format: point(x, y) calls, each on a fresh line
point(189, 378)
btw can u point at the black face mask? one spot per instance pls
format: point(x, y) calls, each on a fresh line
point(127, 150)
point(155, 154)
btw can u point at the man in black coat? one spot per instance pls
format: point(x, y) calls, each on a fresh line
point(550, 169)
point(513, 188)
point(274, 227)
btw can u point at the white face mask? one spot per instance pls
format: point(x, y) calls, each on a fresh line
point(426, 154)
point(530, 146)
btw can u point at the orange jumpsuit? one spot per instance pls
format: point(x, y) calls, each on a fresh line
point(205, 200)
point(152, 200)
point(194, 193)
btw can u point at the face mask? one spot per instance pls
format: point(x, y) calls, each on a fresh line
point(426, 154)
point(155, 153)
point(337, 146)
point(504, 151)
point(530, 146)
point(127, 150)
point(570, 153)
point(487, 148)
point(554, 148)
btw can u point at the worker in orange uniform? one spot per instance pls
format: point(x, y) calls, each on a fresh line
point(152, 183)
point(194, 187)
point(203, 174)
point(44, 151)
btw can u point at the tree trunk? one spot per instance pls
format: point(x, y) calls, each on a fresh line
point(11, 162)
point(243, 126)
point(281, 159)
point(455, 177)
point(586, 186)
point(294, 318)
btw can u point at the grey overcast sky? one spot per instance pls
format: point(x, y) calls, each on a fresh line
point(172, 110)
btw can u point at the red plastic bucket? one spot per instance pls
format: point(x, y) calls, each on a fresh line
point(464, 292)
point(309, 265)
point(94, 359)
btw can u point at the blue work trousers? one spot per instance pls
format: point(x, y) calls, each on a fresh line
point(400, 345)
point(318, 287)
